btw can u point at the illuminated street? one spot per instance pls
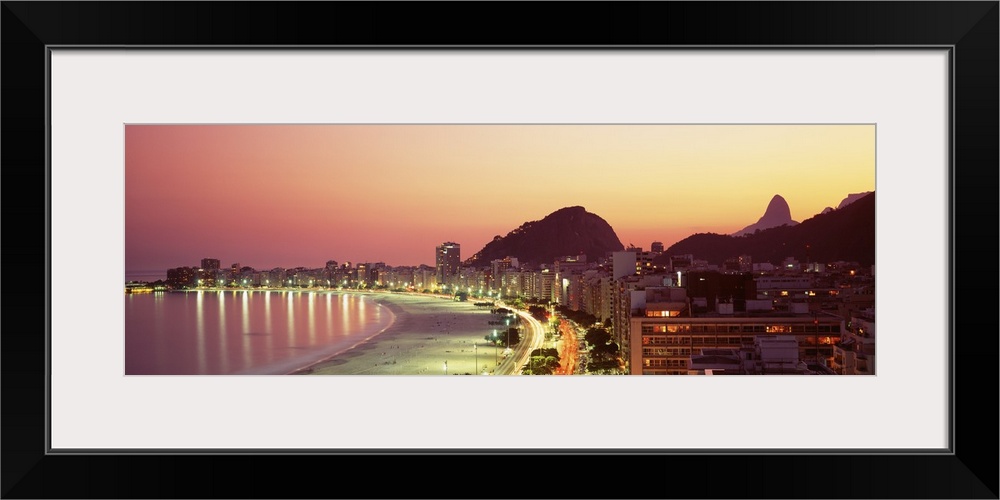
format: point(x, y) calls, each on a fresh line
point(533, 338)
point(568, 355)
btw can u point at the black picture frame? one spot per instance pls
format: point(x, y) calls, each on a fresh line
point(969, 28)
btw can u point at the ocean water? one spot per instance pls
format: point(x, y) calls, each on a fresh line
point(243, 332)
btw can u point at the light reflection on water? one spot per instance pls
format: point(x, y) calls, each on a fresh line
point(237, 333)
point(200, 311)
point(312, 317)
point(245, 324)
point(224, 358)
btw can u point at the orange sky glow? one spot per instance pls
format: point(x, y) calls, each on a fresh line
point(298, 195)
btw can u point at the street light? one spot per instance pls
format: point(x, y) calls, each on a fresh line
point(475, 348)
point(496, 358)
point(507, 322)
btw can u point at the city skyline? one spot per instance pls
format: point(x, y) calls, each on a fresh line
point(298, 195)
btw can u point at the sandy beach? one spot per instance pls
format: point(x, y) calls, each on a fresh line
point(426, 333)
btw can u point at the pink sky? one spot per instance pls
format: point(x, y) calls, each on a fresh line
point(299, 195)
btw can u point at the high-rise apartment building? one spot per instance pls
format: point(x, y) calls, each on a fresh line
point(448, 259)
point(209, 264)
point(363, 273)
point(499, 268)
point(623, 264)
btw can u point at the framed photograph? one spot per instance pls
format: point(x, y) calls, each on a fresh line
point(222, 152)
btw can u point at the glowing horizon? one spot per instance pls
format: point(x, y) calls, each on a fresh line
point(270, 196)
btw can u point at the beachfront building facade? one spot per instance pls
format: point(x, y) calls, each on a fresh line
point(567, 285)
point(661, 340)
point(500, 268)
point(592, 294)
point(448, 261)
point(471, 280)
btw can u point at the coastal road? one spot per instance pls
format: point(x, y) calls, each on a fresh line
point(568, 356)
point(533, 338)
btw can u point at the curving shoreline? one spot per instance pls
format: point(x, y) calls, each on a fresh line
point(307, 369)
point(426, 331)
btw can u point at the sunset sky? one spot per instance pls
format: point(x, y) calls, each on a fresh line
point(299, 195)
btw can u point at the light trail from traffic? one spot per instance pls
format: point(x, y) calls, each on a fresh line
point(569, 355)
point(534, 338)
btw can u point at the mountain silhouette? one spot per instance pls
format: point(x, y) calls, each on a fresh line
point(846, 234)
point(851, 198)
point(567, 231)
point(777, 214)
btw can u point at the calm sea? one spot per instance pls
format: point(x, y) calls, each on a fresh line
point(243, 332)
